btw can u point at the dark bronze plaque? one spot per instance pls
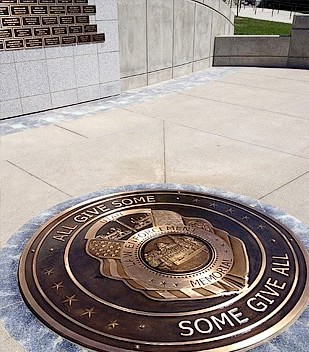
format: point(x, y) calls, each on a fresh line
point(74, 9)
point(90, 28)
point(4, 11)
point(39, 10)
point(41, 31)
point(49, 20)
point(48, 2)
point(10, 21)
point(19, 10)
point(82, 19)
point(67, 19)
point(59, 30)
point(1, 45)
point(84, 38)
point(31, 21)
point(57, 10)
point(98, 37)
point(90, 9)
point(5, 33)
point(20, 32)
point(52, 41)
point(165, 271)
point(28, 2)
point(69, 40)
point(34, 43)
point(75, 29)
point(8, 2)
point(14, 44)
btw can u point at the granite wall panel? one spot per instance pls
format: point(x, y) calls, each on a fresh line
point(8, 83)
point(132, 37)
point(184, 23)
point(50, 77)
point(61, 73)
point(202, 35)
point(160, 34)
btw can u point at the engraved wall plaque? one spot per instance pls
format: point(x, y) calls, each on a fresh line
point(90, 28)
point(39, 10)
point(48, 1)
point(14, 44)
point(74, 9)
point(67, 19)
point(19, 32)
point(75, 29)
point(6, 33)
point(48, 19)
point(69, 40)
point(160, 270)
point(59, 30)
point(52, 41)
point(41, 31)
point(19, 10)
point(82, 19)
point(84, 38)
point(98, 37)
point(31, 21)
point(91, 9)
point(10, 21)
point(34, 43)
point(57, 10)
point(4, 11)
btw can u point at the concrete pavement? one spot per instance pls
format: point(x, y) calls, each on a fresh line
point(243, 130)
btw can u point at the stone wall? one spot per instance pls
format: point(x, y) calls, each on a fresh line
point(147, 41)
point(40, 79)
point(267, 51)
point(164, 39)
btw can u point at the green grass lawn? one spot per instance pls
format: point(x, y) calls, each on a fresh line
point(250, 26)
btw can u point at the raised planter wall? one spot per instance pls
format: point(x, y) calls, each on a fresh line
point(266, 51)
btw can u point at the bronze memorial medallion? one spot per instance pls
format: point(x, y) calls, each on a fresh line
point(160, 270)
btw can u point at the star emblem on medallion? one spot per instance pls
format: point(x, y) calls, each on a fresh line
point(48, 272)
point(70, 299)
point(89, 312)
point(261, 227)
point(58, 285)
point(213, 205)
point(113, 324)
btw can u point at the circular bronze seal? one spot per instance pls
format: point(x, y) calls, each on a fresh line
point(165, 271)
